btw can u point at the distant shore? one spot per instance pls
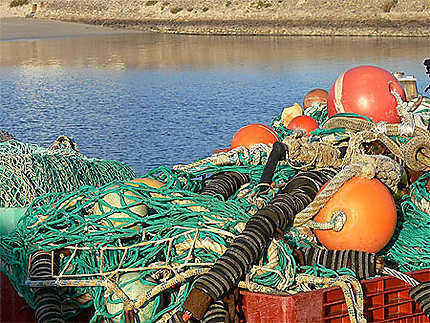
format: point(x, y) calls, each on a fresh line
point(382, 18)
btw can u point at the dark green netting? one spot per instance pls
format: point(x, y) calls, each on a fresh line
point(28, 171)
point(410, 248)
point(118, 227)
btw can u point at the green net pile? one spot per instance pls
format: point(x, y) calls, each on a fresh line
point(141, 234)
point(28, 171)
point(130, 226)
point(410, 247)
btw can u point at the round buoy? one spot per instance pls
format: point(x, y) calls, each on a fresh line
point(315, 96)
point(303, 122)
point(255, 133)
point(365, 90)
point(133, 287)
point(370, 216)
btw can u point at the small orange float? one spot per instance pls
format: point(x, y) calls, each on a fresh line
point(370, 216)
point(303, 122)
point(255, 133)
point(315, 96)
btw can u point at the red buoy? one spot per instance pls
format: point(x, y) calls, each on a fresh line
point(365, 90)
point(370, 213)
point(252, 134)
point(303, 122)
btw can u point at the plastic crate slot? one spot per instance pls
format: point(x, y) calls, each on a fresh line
point(386, 300)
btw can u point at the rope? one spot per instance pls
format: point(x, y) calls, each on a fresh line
point(348, 284)
point(415, 152)
point(408, 125)
point(336, 222)
point(239, 156)
point(366, 166)
point(408, 279)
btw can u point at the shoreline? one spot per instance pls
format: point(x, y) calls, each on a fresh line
point(263, 27)
point(21, 29)
point(264, 17)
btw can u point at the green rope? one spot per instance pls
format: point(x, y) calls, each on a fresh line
point(108, 226)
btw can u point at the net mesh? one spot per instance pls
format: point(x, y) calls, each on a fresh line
point(100, 225)
point(28, 171)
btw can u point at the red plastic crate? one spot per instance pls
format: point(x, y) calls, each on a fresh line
point(14, 309)
point(386, 300)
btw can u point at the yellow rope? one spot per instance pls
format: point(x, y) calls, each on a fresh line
point(348, 284)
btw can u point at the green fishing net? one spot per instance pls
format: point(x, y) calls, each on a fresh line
point(410, 247)
point(28, 171)
point(143, 233)
point(133, 226)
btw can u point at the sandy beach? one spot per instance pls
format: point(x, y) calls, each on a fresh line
point(382, 18)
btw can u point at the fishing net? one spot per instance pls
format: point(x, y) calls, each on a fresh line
point(410, 250)
point(28, 171)
point(99, 234)
point(155, 234)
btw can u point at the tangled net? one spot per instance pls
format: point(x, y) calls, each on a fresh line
point(411, 249)
point(156, 234)
point(28, 171)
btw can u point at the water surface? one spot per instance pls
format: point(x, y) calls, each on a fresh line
point(150, 100)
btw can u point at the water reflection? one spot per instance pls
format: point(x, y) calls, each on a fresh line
point(150, 99)
point(155, 51)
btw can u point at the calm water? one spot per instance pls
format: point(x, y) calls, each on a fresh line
point(151, 100)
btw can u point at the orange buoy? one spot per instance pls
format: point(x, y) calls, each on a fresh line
point(315, 96)
point(370, 216)
point(255, 133)
point(306, 123)
point(365, 90)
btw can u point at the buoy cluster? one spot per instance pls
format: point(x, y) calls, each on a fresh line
point(363, 92)
point(322, 186)
point(364, 207)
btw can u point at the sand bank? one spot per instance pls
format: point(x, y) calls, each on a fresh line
point(16, 28)
point(409, 18)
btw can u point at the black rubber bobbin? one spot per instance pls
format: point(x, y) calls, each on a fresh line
point(47, 302)
point(421, 295)
point(363, 264)
point(260, 228)
point(225, 184)
point(216, 313)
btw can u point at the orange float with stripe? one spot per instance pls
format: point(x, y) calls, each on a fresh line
point(370, 213)
point(255, 133)
point(366, 90)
